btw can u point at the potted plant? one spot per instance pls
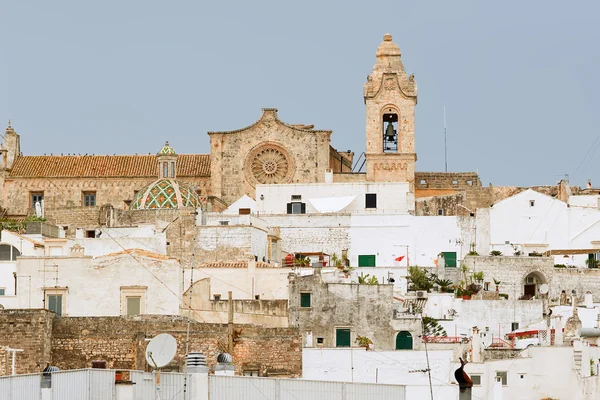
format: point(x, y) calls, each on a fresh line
point(497, 283)
point(364, 341)
point(591, 263)
point(495, 253)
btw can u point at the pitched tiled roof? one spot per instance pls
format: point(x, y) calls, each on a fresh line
point(188, 165)
point(234, 264)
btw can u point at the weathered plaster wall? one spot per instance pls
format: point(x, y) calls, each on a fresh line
point(93, 286)
point(366, 309)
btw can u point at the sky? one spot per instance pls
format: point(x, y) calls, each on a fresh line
point(519, 79)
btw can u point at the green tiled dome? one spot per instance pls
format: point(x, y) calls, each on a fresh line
point(167, 150)
point(165, 193)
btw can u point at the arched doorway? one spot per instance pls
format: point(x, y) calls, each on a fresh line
point(532, 283)
point(404, 341)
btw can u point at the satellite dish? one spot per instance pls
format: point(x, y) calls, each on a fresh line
point(544, 288)
point(161, 350)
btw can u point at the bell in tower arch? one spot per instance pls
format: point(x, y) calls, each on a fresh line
point(390, 132)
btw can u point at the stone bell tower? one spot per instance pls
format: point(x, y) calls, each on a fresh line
point(390, 99)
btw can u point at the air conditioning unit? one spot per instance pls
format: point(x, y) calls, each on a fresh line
point(421, 294)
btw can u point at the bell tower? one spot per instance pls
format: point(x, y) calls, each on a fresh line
point(390, 99)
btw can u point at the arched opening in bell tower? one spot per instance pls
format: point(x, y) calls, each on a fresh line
point(390, 132)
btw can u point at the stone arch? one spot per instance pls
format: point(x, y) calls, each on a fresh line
point(531, 282)
point(404, 341)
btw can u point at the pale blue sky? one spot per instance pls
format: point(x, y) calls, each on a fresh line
point(519, 79)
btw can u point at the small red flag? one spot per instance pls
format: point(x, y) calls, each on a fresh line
point(400, 258)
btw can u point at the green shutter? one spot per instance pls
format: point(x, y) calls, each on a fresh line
point(366, 261)
point(342, 337)
point(450, 258)
point(305, 300)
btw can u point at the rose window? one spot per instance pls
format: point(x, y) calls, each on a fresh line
point(270, 165)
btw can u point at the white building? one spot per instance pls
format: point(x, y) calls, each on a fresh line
point(124, 283)
point(532, 222)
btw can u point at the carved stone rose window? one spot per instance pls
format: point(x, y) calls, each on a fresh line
point(269, 163)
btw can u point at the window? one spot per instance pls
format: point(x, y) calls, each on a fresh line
point(305, 300)
point(2, 291)
point(366, 260)
point(172, 169)
point(319, 340)
point(449, 259)
point(423, 182)
point(296, 197)
point(503, 376)
point(390, 132)
point(440, 211)
point(244, 211)
point(476, 380)
point(486, 286)
point(134, 305)
point(296, 208)
point(89, 199)
point(126, 204)
point(8, 252)
point(36, 197)
point(223, 223)
point(531, 203)
point(90, 234)
point(133, 299)
point(342, 337)
point(470, 182)
point(454, 182)
point(55, 300)
point(165, 170)
point(371, 200)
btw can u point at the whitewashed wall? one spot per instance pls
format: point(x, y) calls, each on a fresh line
point(391, 197)
point(94, 285)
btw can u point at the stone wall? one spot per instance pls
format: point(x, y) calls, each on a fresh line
point(512, 272)
point(440, 180)
point(31, 331)
point(328, 233)
point(366, 309)
point(71, 343)
point(68, 192)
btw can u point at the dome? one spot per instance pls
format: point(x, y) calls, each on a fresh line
point(387, 48)
point(167, 150)
point(165, 193)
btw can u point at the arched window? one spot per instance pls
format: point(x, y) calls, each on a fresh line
point(404, 341)
point(8, 252)
point(172, 169)
point(165, 170)
point(390, 131)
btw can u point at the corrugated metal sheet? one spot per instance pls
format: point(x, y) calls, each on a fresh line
point(359, 391)
point(171, 385)
point(21, 387)
point(236, 387)
point(90, 384)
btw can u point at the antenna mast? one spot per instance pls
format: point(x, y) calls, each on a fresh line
point(445, 143)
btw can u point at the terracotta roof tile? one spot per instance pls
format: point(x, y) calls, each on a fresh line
point(140, 252)
point(234, 264)
point(188, 165)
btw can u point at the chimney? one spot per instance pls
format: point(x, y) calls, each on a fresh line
point(224, 365)
point(12, 145)
point(328, 175)
point(476, 345)
point(588, 300)
point(558, 331)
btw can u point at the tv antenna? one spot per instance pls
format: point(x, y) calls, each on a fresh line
point(445, 143)
point(159, 352)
